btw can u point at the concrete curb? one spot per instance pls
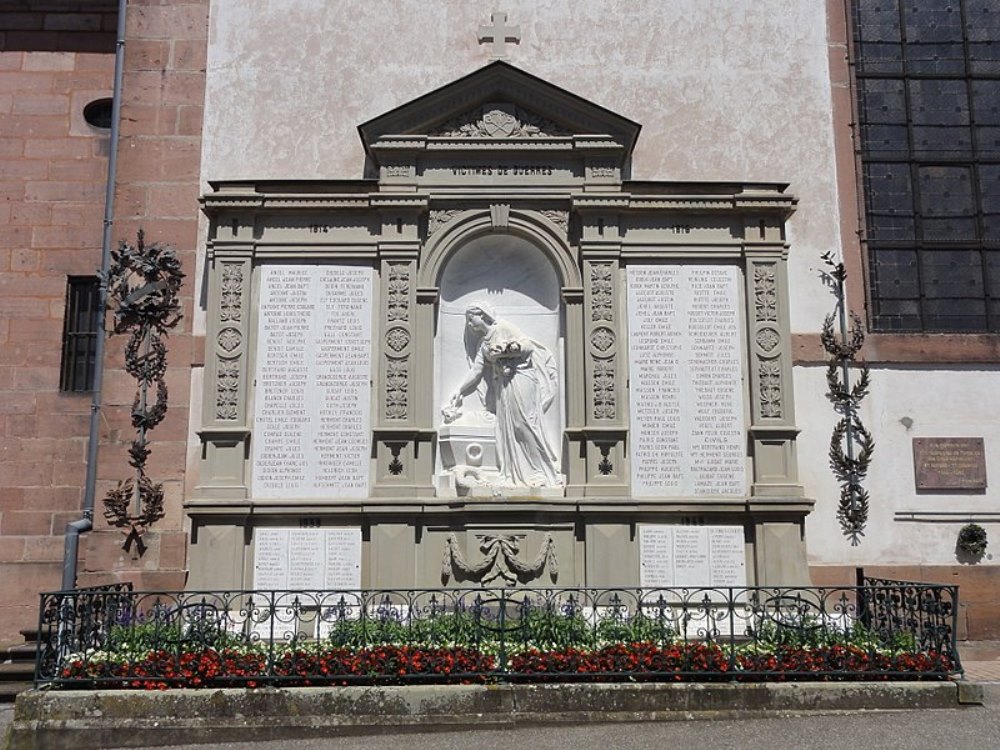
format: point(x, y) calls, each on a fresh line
point(53, 720)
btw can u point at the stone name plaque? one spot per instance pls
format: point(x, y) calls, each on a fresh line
point(313, 388)
point(686, 406)
point(308, 559)
point(691, 556)
point(949, 463)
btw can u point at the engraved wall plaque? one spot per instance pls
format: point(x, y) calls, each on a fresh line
point(312, 405)
point(671, 555)
point(686, 403)
point(949, 463)
point(308, 559)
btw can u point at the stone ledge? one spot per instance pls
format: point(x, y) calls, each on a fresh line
point(52, 720)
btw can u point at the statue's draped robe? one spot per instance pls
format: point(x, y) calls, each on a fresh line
point(523, 388)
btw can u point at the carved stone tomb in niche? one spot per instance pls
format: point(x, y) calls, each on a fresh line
point(499, 371)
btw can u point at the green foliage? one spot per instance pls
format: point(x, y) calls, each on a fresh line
point(166, 630)
point(811, 632)
point(526, 626)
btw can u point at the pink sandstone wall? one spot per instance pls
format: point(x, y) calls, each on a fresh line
point(53, 169)
point(157, 190)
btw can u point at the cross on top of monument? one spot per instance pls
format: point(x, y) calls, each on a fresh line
point(499, 33)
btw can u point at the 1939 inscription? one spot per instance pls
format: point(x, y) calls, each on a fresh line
point(949, 463)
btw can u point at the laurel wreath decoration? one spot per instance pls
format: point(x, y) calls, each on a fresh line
point(972, 539)
point(851, 444)
point(143, 285)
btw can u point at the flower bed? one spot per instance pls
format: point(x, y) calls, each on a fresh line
point(643, 661)
point(124, 639)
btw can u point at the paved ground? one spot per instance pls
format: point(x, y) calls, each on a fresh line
point(981, 660)
point(955, 729)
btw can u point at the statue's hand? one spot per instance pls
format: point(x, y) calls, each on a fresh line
point(452, 411)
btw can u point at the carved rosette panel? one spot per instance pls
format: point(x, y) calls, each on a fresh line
point(766, 341)
point(602, 338)
point(396, 389)
point(604, 390)
point(765, 292)
point(229, 341)
point(397, 339)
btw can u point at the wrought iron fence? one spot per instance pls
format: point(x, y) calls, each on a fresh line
point(117, 637)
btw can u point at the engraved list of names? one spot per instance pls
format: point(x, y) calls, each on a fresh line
point(312, 404)
point(686, 381)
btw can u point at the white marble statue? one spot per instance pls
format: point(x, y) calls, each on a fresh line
point(521, 379)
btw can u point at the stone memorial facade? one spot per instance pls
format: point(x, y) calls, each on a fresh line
point(498, 361)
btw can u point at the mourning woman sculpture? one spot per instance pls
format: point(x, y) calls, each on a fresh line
point(521, 380)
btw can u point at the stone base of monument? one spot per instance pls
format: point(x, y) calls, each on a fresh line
point(88, 720)
point(484, 483)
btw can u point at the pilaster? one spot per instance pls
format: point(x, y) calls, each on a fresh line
point(228, 368)
point(772, 415)
point(603, 433)
point(402, 438)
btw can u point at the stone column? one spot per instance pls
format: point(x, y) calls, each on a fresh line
point(402, 434)
point(225, 423)
point(605, 361)
point(772, 416)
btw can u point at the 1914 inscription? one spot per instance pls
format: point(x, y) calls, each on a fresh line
point(686, 389)
point(949, 463)
point(313, 388)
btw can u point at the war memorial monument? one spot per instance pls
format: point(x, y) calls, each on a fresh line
point(497, 361)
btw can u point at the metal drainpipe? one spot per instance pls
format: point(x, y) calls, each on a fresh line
point(86, 523)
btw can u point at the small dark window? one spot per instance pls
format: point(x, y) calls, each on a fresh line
point(80, 331)
point(98, 113)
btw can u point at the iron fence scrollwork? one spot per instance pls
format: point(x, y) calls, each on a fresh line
point(117, 637)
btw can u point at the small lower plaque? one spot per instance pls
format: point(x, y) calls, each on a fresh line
point(949, 463)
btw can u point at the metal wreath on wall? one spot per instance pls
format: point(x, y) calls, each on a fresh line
point(849, 466)
point(143, 284)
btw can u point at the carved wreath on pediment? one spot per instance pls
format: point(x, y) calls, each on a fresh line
point(499, 121)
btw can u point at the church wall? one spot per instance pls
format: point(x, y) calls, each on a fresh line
point(53, 167)
point(724, 91)
point(157, 191)
point(710, 82)
point(924, 385)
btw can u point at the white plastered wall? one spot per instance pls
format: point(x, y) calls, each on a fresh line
point(904, 403)
point(724, 91)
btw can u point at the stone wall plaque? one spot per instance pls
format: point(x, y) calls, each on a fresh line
point(686, 403)
point(949, 463)
point(691, 556)
point(312, 404)
point(308, 559)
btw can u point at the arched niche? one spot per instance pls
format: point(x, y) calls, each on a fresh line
point(515, 278)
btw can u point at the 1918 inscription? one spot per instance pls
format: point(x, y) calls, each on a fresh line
point(949, 463)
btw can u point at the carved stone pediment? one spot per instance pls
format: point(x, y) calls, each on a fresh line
point(499, 120)
point(500, 101)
